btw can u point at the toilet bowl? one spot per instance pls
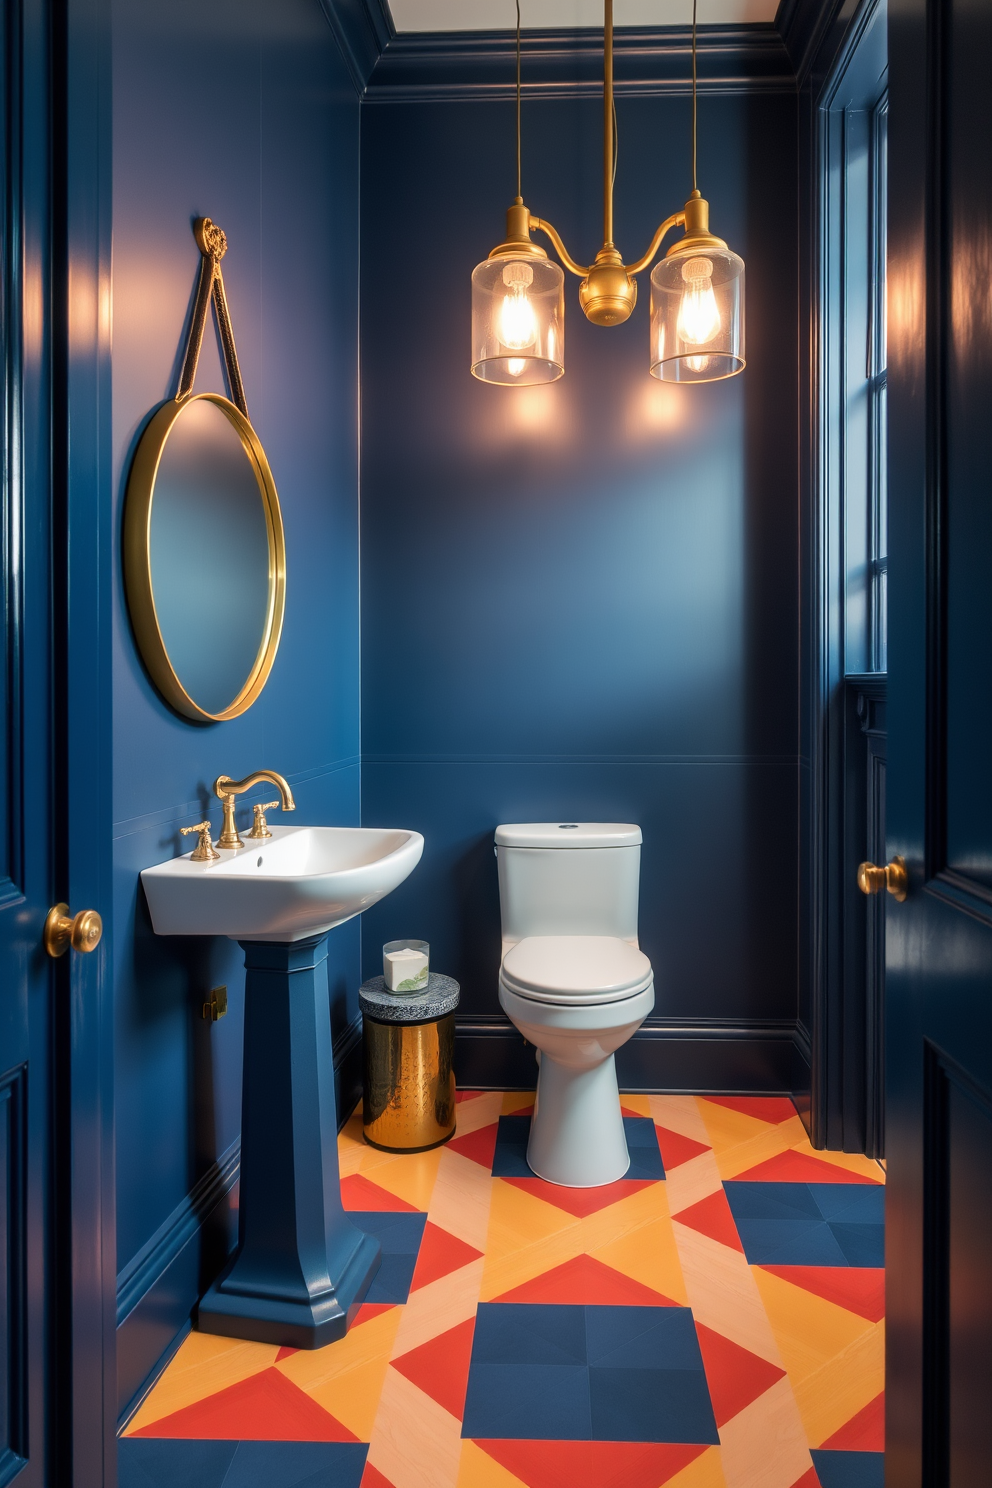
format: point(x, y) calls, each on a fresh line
point(575, 984)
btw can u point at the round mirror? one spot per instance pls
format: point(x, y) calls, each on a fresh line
point(204, 557)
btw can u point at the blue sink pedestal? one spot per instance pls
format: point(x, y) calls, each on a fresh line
point(301, 1266)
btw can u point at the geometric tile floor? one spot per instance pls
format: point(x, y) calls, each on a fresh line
point(713, 1320)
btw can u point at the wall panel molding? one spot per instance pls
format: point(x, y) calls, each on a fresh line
point(666, 1055)
point(480, 65)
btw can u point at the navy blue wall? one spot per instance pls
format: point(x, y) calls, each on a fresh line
point(581, 601)
point(244, 112)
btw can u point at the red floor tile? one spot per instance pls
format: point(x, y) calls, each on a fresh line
point(864, 1432)
point(735, 1375)
point(265, 1407)
point(585, 1281)
point(581, 1201)
point(359, 1192)
point(799, 1167)
point(440, 1254)
point(479, 1145)
point(677, 1149)
point(440, 1367)
point(859, 1289)
point(712, 1216)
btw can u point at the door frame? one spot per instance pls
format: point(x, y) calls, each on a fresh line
point(840, 746)
point(83, 556)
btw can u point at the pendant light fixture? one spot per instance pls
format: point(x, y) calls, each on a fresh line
point(697, 291)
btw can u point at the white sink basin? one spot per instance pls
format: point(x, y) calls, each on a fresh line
point(302, 881)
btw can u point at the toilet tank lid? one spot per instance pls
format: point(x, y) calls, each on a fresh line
point(568, 834)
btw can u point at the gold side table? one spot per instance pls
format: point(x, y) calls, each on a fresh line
point(408, 1087)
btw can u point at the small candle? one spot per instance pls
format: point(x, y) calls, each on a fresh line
point(406, 965)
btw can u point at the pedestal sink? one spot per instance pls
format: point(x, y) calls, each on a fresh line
point(301, 1267)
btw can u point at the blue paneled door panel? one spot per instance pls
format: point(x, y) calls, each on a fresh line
point(26, 869)
point(939, 798)
point(55, 1065)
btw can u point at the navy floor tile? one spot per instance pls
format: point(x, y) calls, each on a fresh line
point(642, 1338)
point(289, 1464)
point(853, 1203)
point(670, 1405)
point(400, 1236)
point(849, 1469)
point(642, 1144)
point(547, 1402)
point(149, 1462)
point(587, 1373)
point(516, 1333)
point(809, 1224)
point(510, 1159)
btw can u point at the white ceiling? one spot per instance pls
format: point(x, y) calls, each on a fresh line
point(541, 15)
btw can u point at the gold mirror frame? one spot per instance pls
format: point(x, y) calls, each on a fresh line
point(138, 569)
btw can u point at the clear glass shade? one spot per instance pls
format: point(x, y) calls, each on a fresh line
point(518, 321)
point(697, 316)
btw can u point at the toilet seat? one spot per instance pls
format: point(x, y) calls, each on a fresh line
point(575, 969)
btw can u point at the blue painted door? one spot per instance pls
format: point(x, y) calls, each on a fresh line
point(56, 1170)
point(939, 941)
point(28, 989)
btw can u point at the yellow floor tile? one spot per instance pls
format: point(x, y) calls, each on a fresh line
point(808, 1329)
point(346, 1377)
point(202, 1365)
point(479, 1470)
point(516, 1100)
point(843, 1386)
point(705, 1472)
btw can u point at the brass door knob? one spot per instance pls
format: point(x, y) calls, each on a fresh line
point(62, 930)
point(893, 877)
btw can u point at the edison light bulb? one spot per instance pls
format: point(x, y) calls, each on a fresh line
point(515, 365)
point(517, 321)
point(699, 318)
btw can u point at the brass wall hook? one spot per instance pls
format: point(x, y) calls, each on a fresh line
point(212, 243)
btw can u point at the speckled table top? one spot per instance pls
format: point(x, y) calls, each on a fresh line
point(438, 1000)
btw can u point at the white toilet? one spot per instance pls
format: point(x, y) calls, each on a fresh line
point(575, 984)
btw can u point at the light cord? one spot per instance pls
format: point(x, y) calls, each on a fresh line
point(693, 92)
point(519, 193)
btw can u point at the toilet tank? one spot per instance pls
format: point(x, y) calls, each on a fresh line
point(568, 878)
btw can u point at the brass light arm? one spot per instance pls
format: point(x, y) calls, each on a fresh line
point(677, 219)
point(227, 789)
point(549, 232)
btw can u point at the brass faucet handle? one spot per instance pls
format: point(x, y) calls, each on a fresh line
point(204, 849)
point(260, 827)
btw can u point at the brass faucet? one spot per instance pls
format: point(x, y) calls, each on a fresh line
point(227, 789)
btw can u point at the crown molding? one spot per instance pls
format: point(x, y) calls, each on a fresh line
point(363, 29)
point(811, 32)
point(479, 66)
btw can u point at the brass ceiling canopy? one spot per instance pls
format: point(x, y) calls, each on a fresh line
point(697, 291)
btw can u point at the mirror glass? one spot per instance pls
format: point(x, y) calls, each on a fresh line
point(208, 555)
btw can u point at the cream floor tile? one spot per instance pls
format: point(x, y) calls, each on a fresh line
point(722, 1293)
point(415, 1442)
point(764, 1446)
